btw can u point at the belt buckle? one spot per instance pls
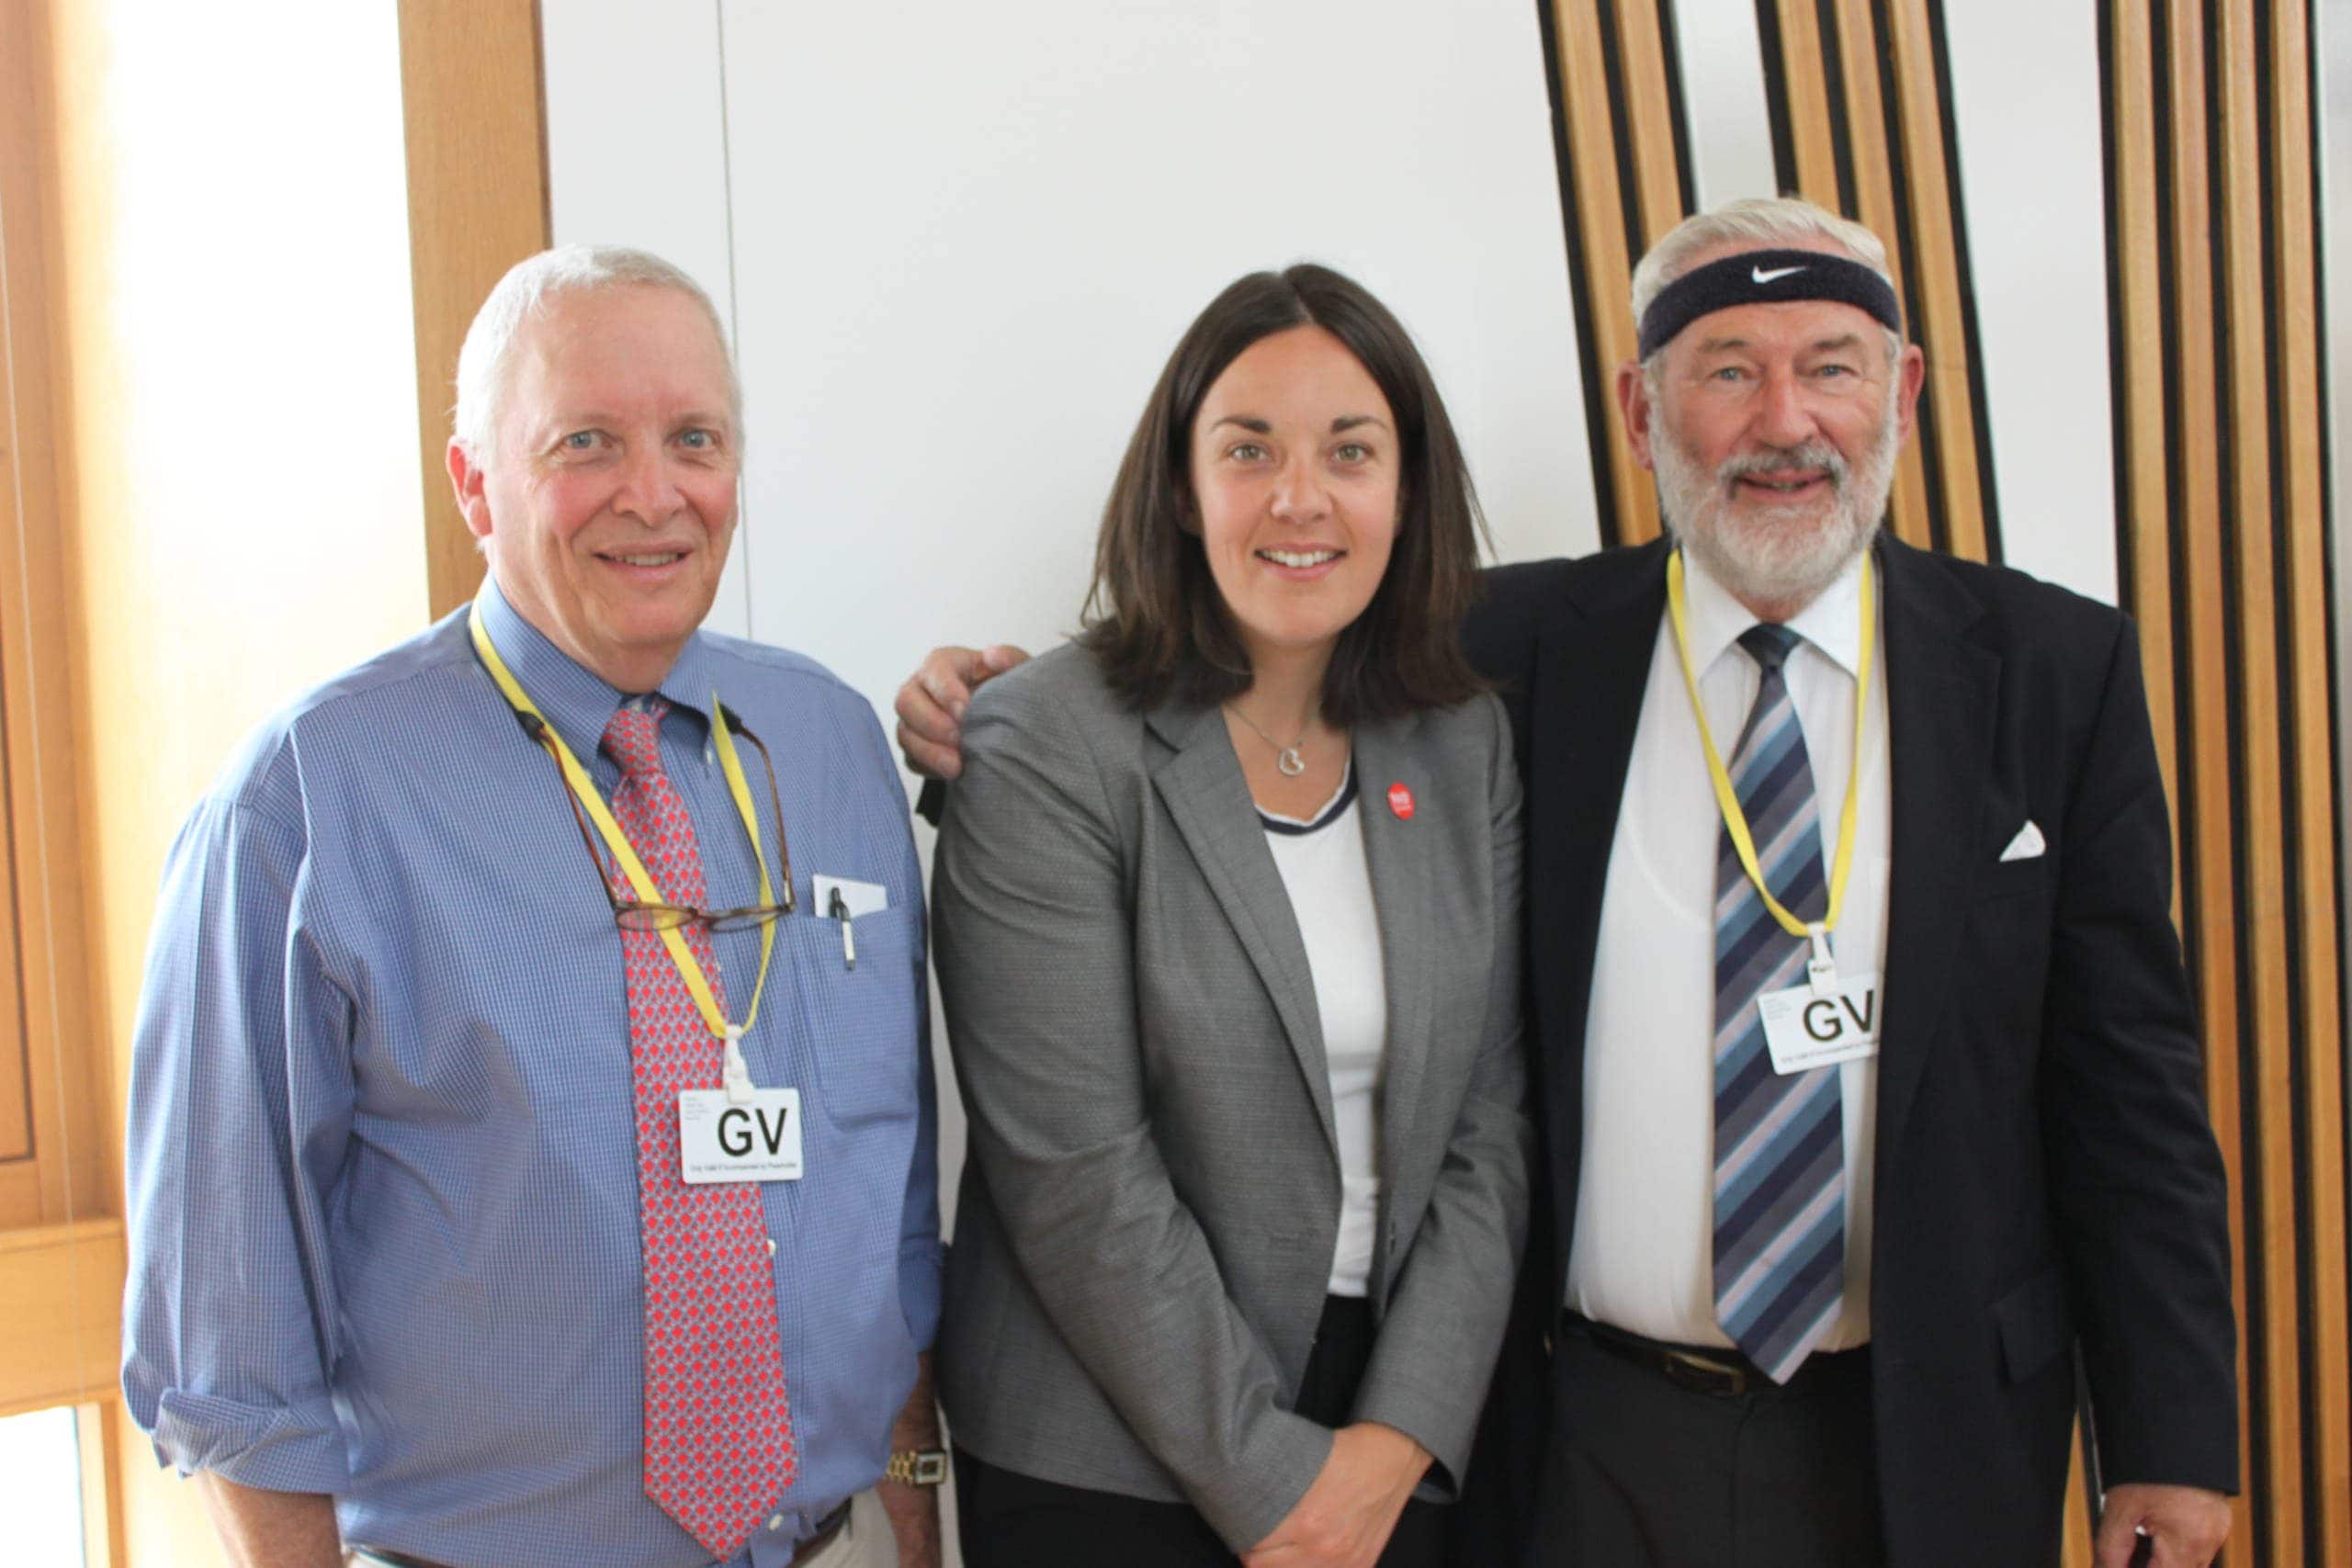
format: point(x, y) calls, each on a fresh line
point(1705, 1373)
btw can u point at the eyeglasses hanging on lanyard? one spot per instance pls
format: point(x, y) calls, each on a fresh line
point(649, 911)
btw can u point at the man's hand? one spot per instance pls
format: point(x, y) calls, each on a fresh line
point(1345, 1519)
point(914, 1510)
point(271, 1530)
point(2186, 1523)
point(931, 704)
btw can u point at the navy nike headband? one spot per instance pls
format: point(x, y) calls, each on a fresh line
point(1766, 277)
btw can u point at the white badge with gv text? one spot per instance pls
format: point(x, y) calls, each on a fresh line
point(1807, 1029)
point(726, 1138)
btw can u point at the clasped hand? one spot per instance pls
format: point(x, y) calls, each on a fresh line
point(1346, 1517)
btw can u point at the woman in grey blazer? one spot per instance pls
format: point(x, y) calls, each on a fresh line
point(1227, 920)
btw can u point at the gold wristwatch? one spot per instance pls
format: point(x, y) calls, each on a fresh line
point(917, 1467)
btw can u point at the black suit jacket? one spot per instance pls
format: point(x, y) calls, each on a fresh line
point(2046, 1177)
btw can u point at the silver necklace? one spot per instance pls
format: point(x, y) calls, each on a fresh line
point(1288, 759)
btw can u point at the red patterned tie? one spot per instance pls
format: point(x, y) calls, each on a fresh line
point(717, 1434)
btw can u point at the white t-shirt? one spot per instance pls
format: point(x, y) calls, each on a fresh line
point(1323, 868)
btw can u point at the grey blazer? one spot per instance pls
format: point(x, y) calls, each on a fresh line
point(1151, 1197)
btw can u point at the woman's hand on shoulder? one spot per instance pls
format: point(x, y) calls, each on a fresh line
point(1347, 1517)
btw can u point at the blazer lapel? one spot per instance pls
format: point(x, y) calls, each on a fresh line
point(1205, 793)
point(1403, 864)
point(1940, 707)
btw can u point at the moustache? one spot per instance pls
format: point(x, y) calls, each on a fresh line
point(1812, 455)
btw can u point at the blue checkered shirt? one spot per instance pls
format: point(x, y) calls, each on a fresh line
point(383, 1184)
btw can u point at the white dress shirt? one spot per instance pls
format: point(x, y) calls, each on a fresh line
point(1643, 1258)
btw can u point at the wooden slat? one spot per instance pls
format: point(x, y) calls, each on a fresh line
point(1874, 192)
point(45, 1004)
point(20, 1195)
point(477, 204)
point(1803, 78)
point(1941, 319)
point(1608, 261)
point(2146, 499)
point(1643, 65)
point(2300, 480)
point(61, 1295)
point(2261, 924)
point(2206, 773)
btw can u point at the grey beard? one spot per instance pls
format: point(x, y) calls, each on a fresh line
point(1770, 560)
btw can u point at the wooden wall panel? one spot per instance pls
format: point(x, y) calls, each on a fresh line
point(2222, 536)
point(54, 1164)
point(61, 1295)
point(1940, 297)
point(1858, 108)
point(477, 204)
point(2260, 927)
point(1622, 185)
point(2308, 821)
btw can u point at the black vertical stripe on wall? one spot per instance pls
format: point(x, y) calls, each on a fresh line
point(1670, 50)
point(1833, 81)
point(2127, 562)
point(1775, 55)
point(1906, 232)
point(1621, 121)
point(1589, 370)
point(2241, 814)
point(1987, 487)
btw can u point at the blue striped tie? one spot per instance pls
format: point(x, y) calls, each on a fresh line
point(1779, 1140)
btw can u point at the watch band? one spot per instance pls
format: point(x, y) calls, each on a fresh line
point(917, 1467)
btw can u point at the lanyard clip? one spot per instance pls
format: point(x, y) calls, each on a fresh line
point(740, 1090)
point(1821, 968)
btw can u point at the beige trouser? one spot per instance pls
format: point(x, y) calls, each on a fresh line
point(865, 1541)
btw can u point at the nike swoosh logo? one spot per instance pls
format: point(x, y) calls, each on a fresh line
point(1761, 275)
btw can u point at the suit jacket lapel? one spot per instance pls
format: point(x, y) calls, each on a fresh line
point(1940, 707)
point(1402, 859)
point(1591, 669)
point(1205, 793)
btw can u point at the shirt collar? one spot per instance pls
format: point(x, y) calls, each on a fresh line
point(1832, 623)
point(577, 701)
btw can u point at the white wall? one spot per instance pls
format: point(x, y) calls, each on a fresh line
point(959, 241)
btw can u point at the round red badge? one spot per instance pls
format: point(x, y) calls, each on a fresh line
point(1401, 801)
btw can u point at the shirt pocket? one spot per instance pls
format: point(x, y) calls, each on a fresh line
point(859, 1020)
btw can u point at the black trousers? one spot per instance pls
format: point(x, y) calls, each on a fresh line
point(1011, 1521)
point(1647, 1472)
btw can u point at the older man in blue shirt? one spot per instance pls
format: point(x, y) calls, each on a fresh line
point(493, 1200)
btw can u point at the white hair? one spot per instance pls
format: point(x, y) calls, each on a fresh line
point(1761, 220)
point(486, 363)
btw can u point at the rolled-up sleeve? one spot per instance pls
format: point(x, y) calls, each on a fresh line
point(239, 1119)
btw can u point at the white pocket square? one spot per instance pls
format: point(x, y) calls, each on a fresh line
point(2027, 845)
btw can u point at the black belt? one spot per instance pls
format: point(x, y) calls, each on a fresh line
point(1713, 1369)
point(826, 1527)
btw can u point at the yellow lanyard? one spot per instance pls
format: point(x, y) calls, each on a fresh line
point(584, 787)
point(1736, 820)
